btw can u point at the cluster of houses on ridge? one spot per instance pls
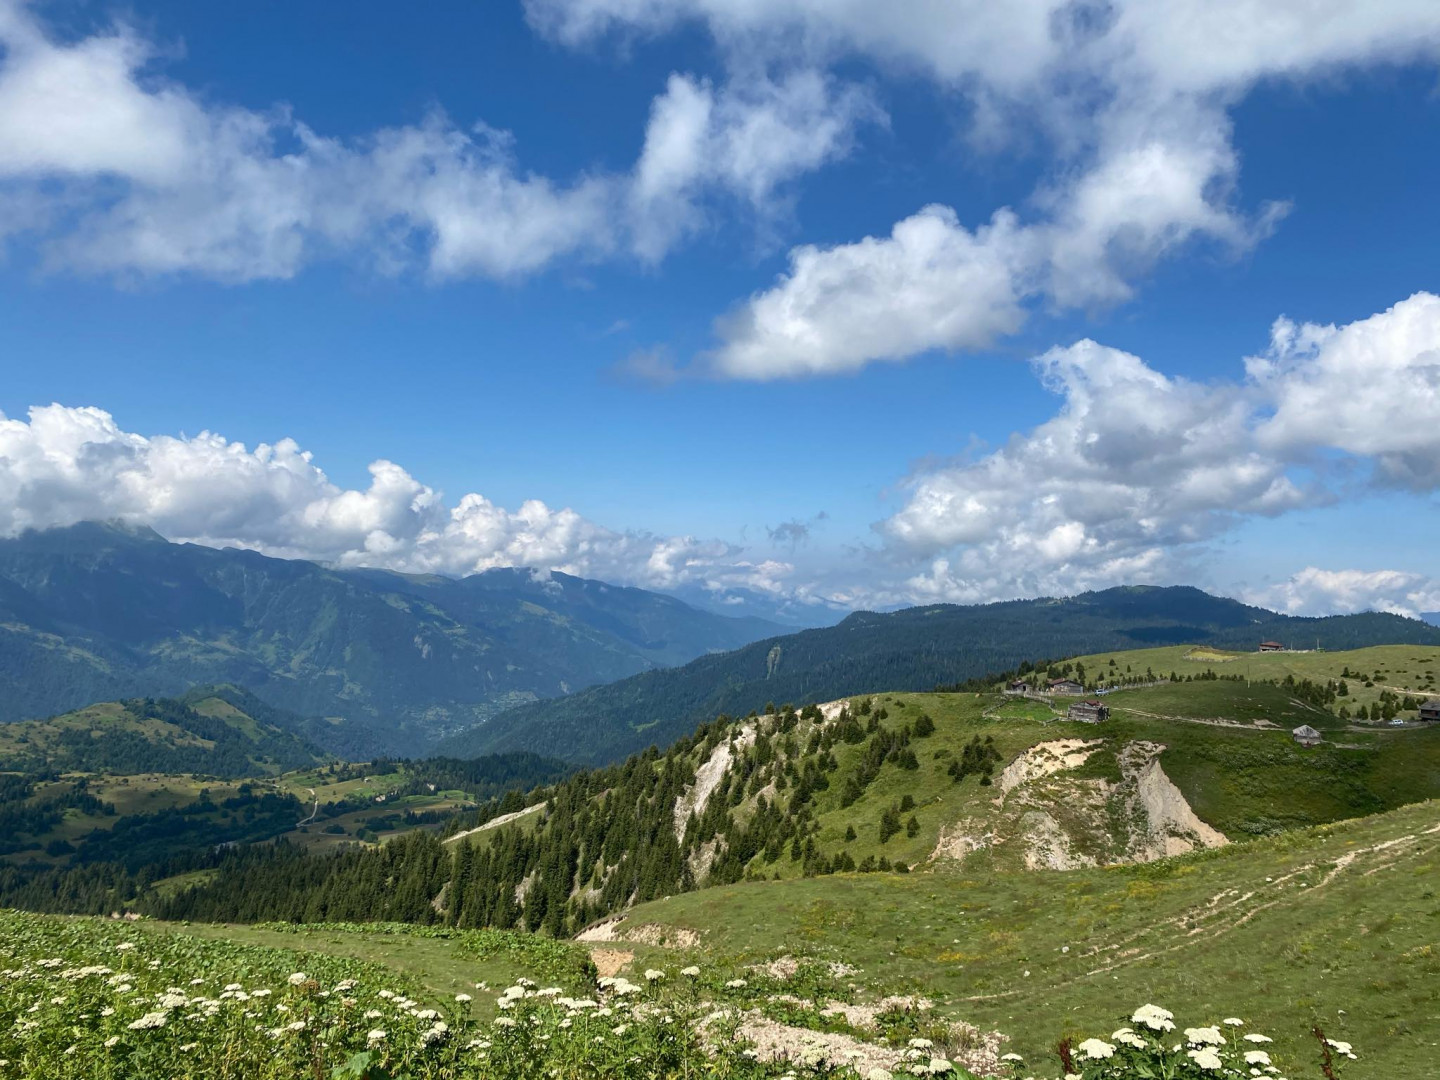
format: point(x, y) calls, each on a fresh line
point(1090, 711)
point(1094, 711)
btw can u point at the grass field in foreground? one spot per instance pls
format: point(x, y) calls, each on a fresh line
point(1338, 925)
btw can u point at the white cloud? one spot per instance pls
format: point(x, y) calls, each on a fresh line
point(1134, 464)
point(112, 169)
point(1138, 470)
point(1342, 592)
point(1371, 388)
point(64, 465)
point(930, 283)
point(748, 138)
point(1132, 97)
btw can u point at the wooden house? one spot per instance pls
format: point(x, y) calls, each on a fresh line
point(1018, 686)
point(1065, 686)
point(1271, 646)
point(1088, 712)
point(1306, 735)
point(1430, 711)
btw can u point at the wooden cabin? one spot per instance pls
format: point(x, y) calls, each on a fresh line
point(1306, 735)
point(1088, 712)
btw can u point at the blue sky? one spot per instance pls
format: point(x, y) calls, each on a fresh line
point(275, 222)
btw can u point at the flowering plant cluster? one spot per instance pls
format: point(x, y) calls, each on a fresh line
point(90, 1001)
point(1151, 1045)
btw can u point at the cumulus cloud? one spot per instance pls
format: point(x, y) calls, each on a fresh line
point(748, 138)
point(1137, 469)
point(1371, 388)
point(110, 168)
point(1341, 592)
point(63, 465)
point(1134, 464)
point(1131, 96)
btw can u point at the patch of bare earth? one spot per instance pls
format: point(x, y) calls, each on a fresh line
point(1042, 760)
point(708, 777)
point(1060, 822)
point(773, 1041)
point(610, 962)
point(496, 822)
point(674, 937)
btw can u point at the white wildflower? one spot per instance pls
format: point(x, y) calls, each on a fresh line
point(149, 1020)
point(1205, 1036)
point(1256, 1057)
point(375, 1036)
point(1096, 1049)
point(1206, 1058)
point(298, 978)
point(1154, 1017)
point(1256, 1037)
point(692, 972)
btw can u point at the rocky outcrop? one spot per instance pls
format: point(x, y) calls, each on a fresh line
point(1046, 818)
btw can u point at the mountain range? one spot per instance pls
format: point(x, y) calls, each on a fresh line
point(99, 612)
point(913, 649)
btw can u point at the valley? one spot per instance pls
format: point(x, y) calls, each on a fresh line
point(1010, 876)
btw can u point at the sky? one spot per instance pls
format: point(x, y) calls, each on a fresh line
point(789, 308)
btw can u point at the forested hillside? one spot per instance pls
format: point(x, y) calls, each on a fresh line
point(101, 612)
point(881, 783)
point(212, 731)
point(913, 649)
point(82, 841)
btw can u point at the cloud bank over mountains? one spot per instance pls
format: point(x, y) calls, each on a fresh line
point(1128, 482)
point(72, 464)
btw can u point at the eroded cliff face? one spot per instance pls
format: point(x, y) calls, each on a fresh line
point(1046, 817)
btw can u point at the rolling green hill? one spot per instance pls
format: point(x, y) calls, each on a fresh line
point(213, 731)
point(1032, 877)
point(914, 649)
point(886, 782)
point(1332, 926)
point(102, 612)
point(176, 825)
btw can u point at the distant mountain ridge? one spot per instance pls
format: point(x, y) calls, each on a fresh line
point(913, 649)
point(100, 612)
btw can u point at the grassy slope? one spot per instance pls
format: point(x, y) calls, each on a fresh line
point(1242, 781)
point(444, 966)
point(76, 740)
point(1401, 668)
point(1274, 931)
